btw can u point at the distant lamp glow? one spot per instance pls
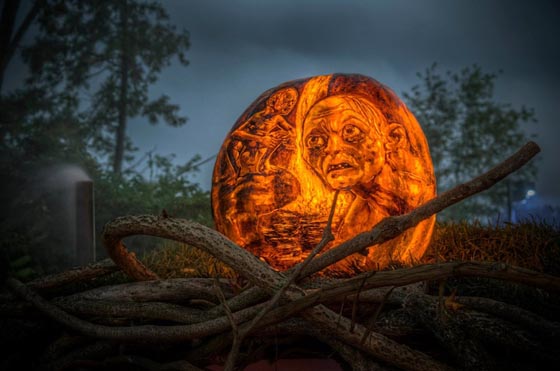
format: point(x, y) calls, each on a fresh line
point(530, 193)
point(298, 143)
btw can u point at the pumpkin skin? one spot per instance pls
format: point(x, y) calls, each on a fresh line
point(282, 162)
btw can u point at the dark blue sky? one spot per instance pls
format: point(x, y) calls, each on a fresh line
point(241, 48)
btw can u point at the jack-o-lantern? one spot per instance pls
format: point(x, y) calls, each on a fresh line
point(278, 170)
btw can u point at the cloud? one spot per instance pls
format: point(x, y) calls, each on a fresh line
point(244, 47)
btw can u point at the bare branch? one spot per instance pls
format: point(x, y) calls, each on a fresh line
point(327, 237)
point(269, 281)
point(430, 272)
point(133, 310)
point(78, 274)
point(194, 234)
point(237, 337)
point(376, 314)
point(513, 314)
point(357, 297)
point(149, 333)
point(171, 290)
point(391, 227)
point(258, 272)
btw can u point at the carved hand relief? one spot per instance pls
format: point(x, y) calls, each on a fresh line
point(279, 167)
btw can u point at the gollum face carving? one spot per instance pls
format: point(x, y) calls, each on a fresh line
point(343, 141)
point(296, 144)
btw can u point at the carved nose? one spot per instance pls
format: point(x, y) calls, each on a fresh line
point(334, 146)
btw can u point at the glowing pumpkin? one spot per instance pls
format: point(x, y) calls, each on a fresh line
point(279, 167)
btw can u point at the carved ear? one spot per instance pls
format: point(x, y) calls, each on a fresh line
point(396, 137)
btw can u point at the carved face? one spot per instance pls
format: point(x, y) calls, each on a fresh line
point(343, 141)
point(277, 172)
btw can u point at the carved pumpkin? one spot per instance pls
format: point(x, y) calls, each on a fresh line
point(279, 167)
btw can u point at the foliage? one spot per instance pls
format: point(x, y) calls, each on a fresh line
point(91, 66)
point(38, 131)
point(107, 52)
point(67, 111)
point(33, 204)
point(12, 33)
point(469, 132)
point(168, 191)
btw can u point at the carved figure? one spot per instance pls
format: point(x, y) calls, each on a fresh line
point(254, 141)
point(277, 172)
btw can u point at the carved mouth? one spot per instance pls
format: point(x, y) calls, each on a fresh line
point(339, 166)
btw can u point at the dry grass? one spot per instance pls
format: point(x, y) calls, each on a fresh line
point(531, 244)
point(534, 245)
point(174, 260)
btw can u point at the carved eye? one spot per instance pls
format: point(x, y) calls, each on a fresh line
point(352, 134)
point(314, 141)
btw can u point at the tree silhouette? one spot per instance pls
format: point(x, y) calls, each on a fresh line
point(468, 130)
point(110, 52)
point(11, 34)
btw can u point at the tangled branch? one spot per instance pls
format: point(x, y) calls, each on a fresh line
point(276, 297)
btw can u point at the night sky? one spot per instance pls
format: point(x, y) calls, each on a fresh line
point(241, 48)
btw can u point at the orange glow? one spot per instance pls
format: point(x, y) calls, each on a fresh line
point(287, 154)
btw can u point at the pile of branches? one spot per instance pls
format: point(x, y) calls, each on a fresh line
point(373, 321)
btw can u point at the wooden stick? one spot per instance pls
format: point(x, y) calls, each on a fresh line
point(393, 226)
point(262, 275)
point(78, 274)
point(238, 336)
